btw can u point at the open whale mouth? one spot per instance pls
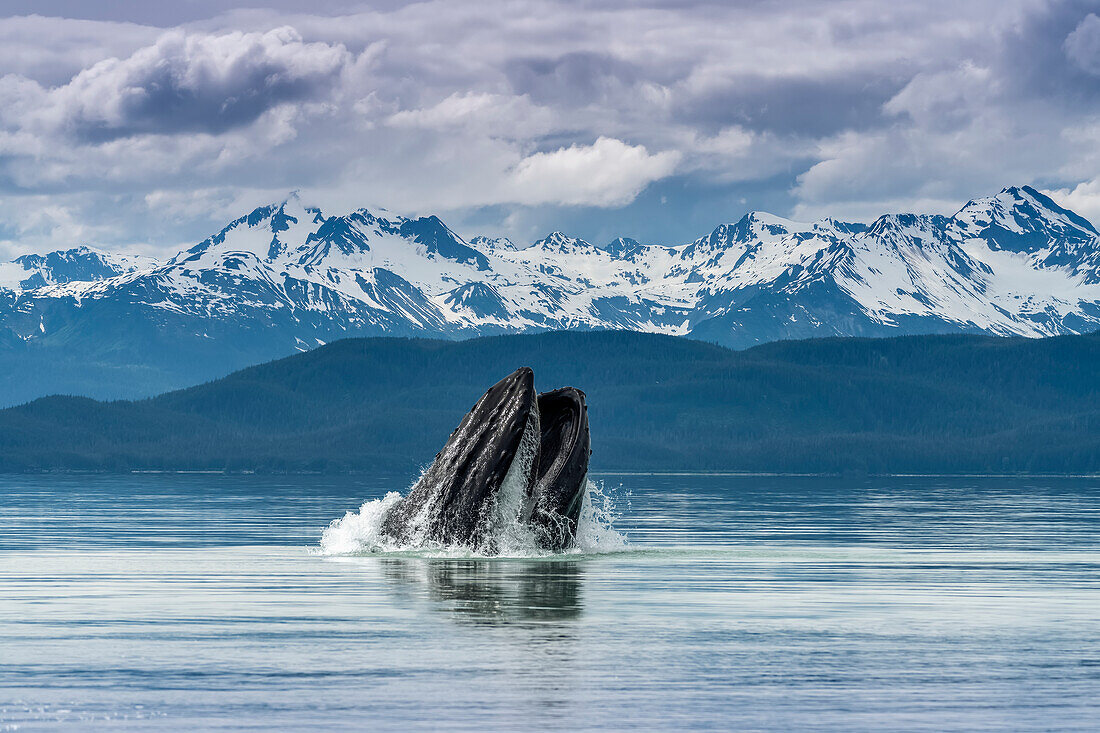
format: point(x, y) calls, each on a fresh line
point(517, 459)
point(562, 475)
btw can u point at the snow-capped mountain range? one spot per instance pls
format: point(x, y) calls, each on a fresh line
point(287, 277)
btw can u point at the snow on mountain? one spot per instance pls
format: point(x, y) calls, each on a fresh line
point(289, 276)
point(490, 244)
point(82, 263)
point(1025, 222)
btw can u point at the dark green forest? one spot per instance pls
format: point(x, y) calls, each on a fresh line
point(920, 404)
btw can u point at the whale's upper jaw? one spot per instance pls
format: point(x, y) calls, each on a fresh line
point(449, 502)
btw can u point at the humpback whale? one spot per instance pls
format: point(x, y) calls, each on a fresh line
point(516, 458)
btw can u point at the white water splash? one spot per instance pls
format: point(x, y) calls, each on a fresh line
point(361, 532)
point(357, 532)
point(595, 532)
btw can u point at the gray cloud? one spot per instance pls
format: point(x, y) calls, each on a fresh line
point(1019, 107)
point(196, 83)
point(797, 105)
point(1052, 54)
point(573, 79)
point(1083, 45)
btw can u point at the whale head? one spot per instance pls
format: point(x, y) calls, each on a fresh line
point(516, 459)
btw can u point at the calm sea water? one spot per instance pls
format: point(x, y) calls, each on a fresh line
point(746, 603)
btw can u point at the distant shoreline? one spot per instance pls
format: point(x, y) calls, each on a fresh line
point(391, 472)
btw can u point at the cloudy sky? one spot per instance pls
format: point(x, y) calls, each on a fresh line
point(145, 126)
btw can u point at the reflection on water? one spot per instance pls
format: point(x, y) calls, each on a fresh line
point(491, 591)
point(744, 603)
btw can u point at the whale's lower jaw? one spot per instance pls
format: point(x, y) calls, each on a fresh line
point(562, 476)
point(505, 470)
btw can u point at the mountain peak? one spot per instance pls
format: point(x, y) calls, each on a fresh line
point(755, 226)
point(80, 250)
point(493, 243)
point(76, 264)
point(438, 238)
point(762, 225)
point(1022, 219)
point(897, 222)
point(1021, 191)
point(767, 219)
point(835, 226)
point(621, 247)
point(558, 241)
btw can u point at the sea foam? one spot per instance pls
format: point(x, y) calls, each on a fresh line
point(361, 532)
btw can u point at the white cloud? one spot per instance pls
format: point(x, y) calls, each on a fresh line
point(40, 223)
point(918, 170)
point(868, 211)
point(489, 114)
point(607, 173)
point(1084, 198)
point(944, 99)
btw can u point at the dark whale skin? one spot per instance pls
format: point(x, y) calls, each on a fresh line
point(560, 481)
point(458, 490)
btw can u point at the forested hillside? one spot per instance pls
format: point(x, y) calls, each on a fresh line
point(936, 404)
